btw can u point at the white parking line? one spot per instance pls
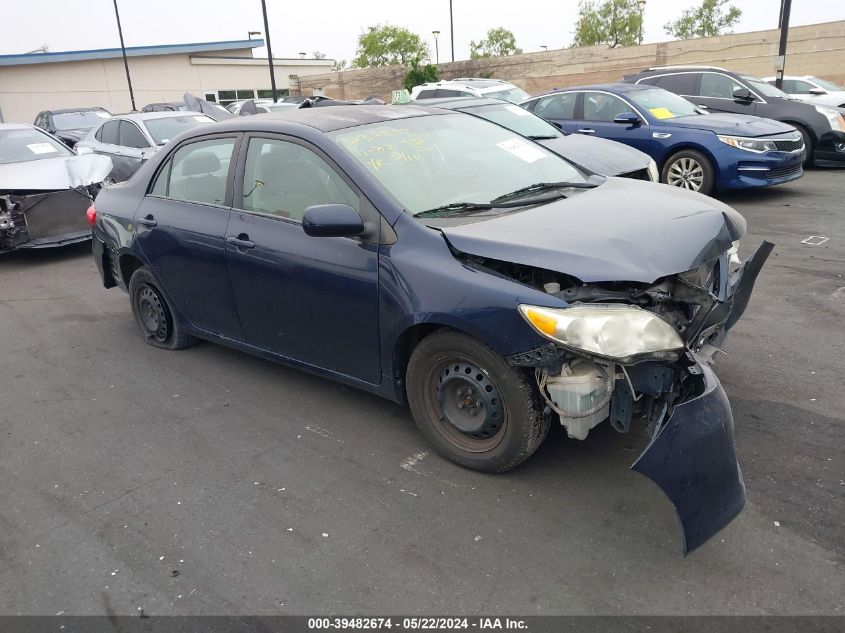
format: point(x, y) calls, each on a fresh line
point(815, 240)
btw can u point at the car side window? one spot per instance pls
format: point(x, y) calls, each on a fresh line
point(680, 84)
point(199, 172)
point(560, 106)
point(796, 87)
point(718, 86)
point(603, 107)
point(131, 136)
point(109, 133)
point(426, 94)
point(283, 179)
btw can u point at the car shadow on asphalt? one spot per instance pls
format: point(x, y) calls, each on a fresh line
point(32, 257)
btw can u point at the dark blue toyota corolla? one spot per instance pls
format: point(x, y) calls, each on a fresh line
point(441, 260)
point(694, 150)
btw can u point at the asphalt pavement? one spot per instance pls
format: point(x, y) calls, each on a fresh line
point(208, 481)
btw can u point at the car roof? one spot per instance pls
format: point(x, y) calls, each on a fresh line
point(69, 110)
point(470, 82)
point(617, 87)
point(456, 103)
point(17, 126)
point(327, 119)
point(147, 116)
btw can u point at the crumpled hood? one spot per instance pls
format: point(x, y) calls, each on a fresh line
point(733, 124)
point(52, 174)
point(600, 155)
point(76, 134)
point(623, 230)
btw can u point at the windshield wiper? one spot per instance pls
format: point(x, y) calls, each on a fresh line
point(453, 208)
point(543, 186)
point(543, 137)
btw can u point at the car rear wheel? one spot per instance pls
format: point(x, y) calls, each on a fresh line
point(471, 405)
point(689, 169)
point(154, 315)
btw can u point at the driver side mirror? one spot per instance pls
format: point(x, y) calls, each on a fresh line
point(81, 151)
point(743, 94)
point(627, 118)
point(557, 125)
point(817, 91)
point(332, 220)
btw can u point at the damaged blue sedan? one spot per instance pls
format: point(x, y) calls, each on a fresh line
point(442, 261)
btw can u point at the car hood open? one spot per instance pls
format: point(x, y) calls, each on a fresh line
point(623, 230)
point(600, 155)
point(53, 174)
point(733, 124)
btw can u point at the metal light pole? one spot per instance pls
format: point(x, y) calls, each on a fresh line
point(436, 49)
point(641, 5)
point(544, 47)
point(123, 50)
point(451, 30)
point(783, 23)
point(269, 51)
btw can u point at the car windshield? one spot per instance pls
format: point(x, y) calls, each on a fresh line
point(517, 119)
point(165, 128)
point(765, 89)
point(514, 95)
point(428, 162)
point(79, 120)
point(663, 104)
point(827, 85)
point(26, 144)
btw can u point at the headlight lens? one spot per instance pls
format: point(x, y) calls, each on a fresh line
point(749, 144)
point(652, 171)
point(837, 122)
point(620, 333)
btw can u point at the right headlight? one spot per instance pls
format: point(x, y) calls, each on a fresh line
point(620, 333)
point(749, 144)
point(833, 118)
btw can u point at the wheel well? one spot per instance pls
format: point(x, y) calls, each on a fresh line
point(680, 148)
point(405, 345)
point(128, 265)
point(801, 126)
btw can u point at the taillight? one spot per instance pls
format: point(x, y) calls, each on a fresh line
point(91, 214)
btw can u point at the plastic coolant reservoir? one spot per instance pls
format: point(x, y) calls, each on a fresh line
point(580, 387)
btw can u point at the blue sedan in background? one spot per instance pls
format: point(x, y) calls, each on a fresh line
point(694, 150)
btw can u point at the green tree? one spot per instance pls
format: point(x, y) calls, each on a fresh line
point(385, 45)
point(611, 22)
point(420, 74)
point(711, 18)
point(498, 43)
point(340, 65)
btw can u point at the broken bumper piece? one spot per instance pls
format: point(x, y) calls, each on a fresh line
point(693, 461)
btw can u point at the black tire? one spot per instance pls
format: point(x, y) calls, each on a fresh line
point(809, 146)
point(154, 315)
point(449, 369)
point(689, 169)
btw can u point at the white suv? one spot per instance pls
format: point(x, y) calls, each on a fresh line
point(470, 87)
point(812, 90)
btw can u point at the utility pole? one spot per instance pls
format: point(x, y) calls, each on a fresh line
point(436, 49)
point(269, 50)
point(125, 63)
point(451, 30)
point(783, 23)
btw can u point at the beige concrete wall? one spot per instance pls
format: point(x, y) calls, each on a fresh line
point(26, 90)
point(813, 50)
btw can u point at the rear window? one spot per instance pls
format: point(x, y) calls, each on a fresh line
point(18, 146)
point(680, 84)
point(426, 94)
point(79, 120)
point(164, 129)
point(514, 95)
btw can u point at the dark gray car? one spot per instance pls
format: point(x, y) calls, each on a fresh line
point(600, 155)
point(130, 139)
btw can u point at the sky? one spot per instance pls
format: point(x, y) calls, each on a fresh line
point(332, 26)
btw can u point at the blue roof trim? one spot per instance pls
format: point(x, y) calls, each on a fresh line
point(131, 51)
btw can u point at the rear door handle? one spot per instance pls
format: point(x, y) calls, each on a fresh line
point(586, 130)
point(242, 241)
point(148, 221)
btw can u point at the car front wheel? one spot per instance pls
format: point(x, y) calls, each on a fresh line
point(471, 405)
point(154, 315)
point(689, 169)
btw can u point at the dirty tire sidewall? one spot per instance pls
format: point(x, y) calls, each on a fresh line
point(708, 182)
point(140, 285)
point(525, 427)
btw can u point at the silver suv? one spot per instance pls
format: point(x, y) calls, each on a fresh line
point(470, 87)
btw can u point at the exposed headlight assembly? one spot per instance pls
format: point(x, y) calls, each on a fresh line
point(750, 144)
point(623, 334)
point(652, 171)
point(836, 121)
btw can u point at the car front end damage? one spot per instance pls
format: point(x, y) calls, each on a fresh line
point(633, 353)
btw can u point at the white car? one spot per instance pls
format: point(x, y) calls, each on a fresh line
point(470, 87)
point(812, 90)
point(261, 105)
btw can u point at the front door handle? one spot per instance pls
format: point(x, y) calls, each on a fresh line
point(242, 241)
point(586, 130)
point(148, 221)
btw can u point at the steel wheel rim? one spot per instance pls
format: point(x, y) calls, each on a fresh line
point(152, 314)
point(481, 432)
point(686, 173)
